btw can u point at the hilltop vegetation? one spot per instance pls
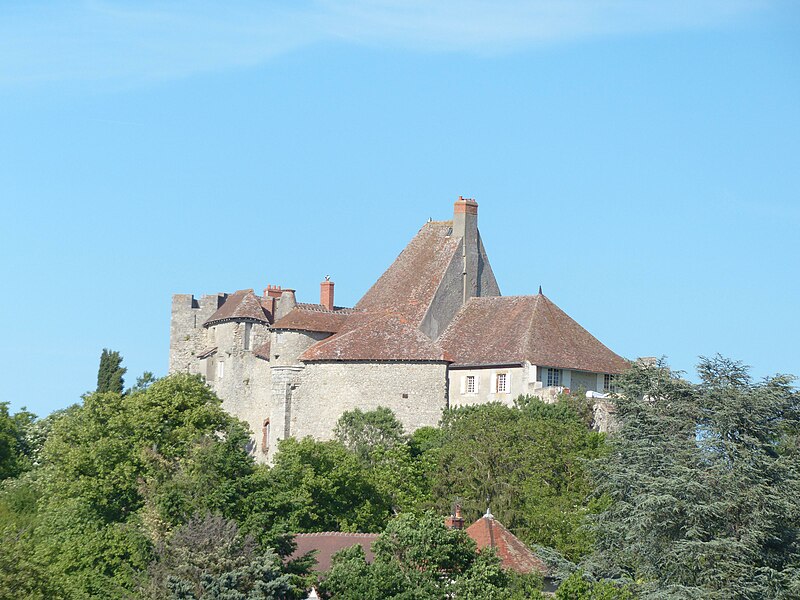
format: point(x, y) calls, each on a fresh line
point(150, 493)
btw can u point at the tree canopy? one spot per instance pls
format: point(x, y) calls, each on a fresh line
point(705, 490)
point(110, 372)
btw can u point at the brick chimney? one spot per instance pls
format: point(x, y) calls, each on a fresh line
point(465, 226)
point(326, 293)
point(455, 521)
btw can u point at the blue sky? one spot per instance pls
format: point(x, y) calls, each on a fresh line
point(639, 160)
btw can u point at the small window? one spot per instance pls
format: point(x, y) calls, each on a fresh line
point(247, 329)
point(609, 382)
point(265, 437)
point(502, 383)
point(220, 370)
point(470, 386)
point(553, 377)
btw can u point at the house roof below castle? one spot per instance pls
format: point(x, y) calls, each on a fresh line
point(514, 555)
point(513, 329)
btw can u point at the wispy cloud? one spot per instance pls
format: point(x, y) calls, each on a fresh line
point(43, 42)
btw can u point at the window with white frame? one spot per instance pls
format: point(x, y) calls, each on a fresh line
point(554, 377)
point(502, 383)
point(609, 382)
point(220, 370)
point(470, 386)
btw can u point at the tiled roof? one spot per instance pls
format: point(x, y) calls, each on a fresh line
point(384, 324)
point(376, 337)
point(513, 329)
point(243, 305)
point(313, 317)
point(409, 284)
point(329, 543)
point(262, 351)
point(489, 532)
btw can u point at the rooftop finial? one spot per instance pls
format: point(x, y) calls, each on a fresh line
point(488, 514)
point(540, 290)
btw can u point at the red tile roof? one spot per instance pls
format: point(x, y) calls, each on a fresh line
point(376, 337)
point(410, 283)
point(384, 324)
point(489, 532)
point(313, 317)
point(329, 543)
point(512, 329)
point(244, 305)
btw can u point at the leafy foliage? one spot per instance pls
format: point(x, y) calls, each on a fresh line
point(209, 559)
point(706, 494)
point(363, 433)
point(527, 463)
point(417, 557)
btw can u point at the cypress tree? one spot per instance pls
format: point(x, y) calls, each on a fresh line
point(109, 375)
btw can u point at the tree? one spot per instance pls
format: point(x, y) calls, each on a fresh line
point(706, 494)
point(418, 557)
point(121, 471)
point(365, 432)
point(209, 559)
point(315, 486)
point(110, 372)
point(14, 448)
point(527, 464)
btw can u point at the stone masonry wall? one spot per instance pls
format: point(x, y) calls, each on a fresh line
point(187, 336)
point(415, 392)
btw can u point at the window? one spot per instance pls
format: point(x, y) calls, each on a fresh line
point(265, 437)
point(470, 384)
point(502, 383)
point(609, 383)
point(247, 328)
point(220, 370)
point(553, 377)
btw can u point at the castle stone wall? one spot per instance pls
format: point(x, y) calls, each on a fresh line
point(187, 336)
point(415, 392)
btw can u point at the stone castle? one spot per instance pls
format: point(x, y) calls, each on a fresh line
point(433, 332)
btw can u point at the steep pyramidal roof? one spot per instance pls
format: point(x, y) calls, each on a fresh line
point(489, 532)
point(243, 305)
point(513, 329)
point(408, 286)
point(385, 322)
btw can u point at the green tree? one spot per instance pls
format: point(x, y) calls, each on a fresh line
point(578, 587)
point(528, 464)
point(110, 372)
point(15, 451)
point(121, 471)
point(706, 495)
point(418, 557)
point(365, 432)
point(209, 559)
point(315, 486)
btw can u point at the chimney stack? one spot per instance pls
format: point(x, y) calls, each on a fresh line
point(326, 293)
point(465, 226)
point(455, 521)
